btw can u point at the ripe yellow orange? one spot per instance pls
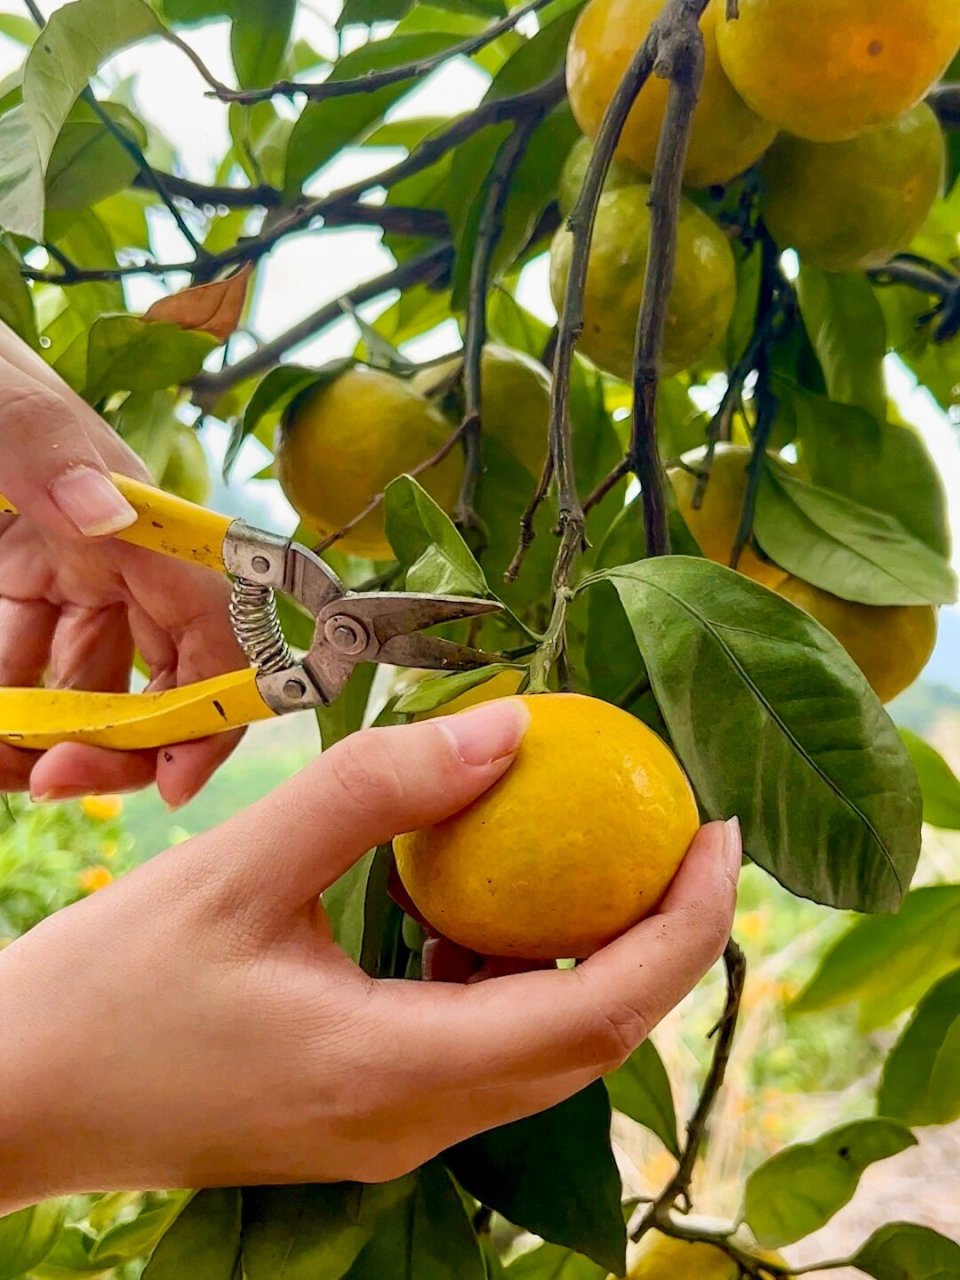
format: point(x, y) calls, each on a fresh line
point(727, 136)
point(102, 808)
point(849, 206)
point(891, 644)
point(829, 69)
point(577, 842)
point(574, 170)
point(514, 400)
point(714, 523)
point(343, 443)
point(701, 300)
point(661, 1257)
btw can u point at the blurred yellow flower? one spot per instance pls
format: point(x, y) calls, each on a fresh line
point(94, 878)
point(102, 808)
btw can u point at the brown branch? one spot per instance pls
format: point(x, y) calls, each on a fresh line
point(258, 197)
point(489, 231)
point(374, 80)
point(929, 278)
point(678, 1188)
point(610, 480)
point(429, 268)
point(527, 533)
point(680, 58)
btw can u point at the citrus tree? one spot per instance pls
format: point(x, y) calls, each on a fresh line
point(693, 496)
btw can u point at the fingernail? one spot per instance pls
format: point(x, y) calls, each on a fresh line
point(732, 846)
point(91, 502)
point(56, 794)
point(488, 732)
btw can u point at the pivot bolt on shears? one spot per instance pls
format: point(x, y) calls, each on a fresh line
point(350, 627)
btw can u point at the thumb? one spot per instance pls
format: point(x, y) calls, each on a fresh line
point(368, 788)
point(49, 468)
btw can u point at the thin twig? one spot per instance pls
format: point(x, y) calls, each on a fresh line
point(374, 80)
point(680, 58)
point(932, 279)
point(609, 481)
point(261, 196)
point(434, 460)
point(767, 408)
point(527, 532)
point(429, 268)
point(489, 231)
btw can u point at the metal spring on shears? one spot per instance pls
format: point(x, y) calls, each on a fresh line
point(253, 612)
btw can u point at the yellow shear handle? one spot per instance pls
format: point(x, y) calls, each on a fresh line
point(40, 718)
point(167, 524)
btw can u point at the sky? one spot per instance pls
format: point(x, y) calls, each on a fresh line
point(306, 271)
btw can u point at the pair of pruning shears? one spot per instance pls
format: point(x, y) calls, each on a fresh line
point(350, 627)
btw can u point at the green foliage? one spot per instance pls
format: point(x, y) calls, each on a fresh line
point(640, 1089)
point(939, 784)
point(903, 1251)
point(801, 1188)
point(205, 1235)
point(27, 1237)
point(921, 1079)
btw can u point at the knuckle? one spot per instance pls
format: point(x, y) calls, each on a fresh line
point(620, 1028)
point(365, 769)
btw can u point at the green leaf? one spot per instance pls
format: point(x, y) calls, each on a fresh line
point(849, 334)
point(302, 1233)
point(426, 1236)
point(324, 128)
point(16, 303)
point(345, 714)
point(938, 783)
point(76, 40)
point(553, 1174)
point(887, 964)
point(826, 769)
point(135, 1237)
point(436, 691)
point(88, 163)
point(837, 544)
point(905, 1251)
point(795, 1192)
point(126, 353)
point(921, 1077)
point(259, 38)
point(876, 463)
point(935, 365)
point(203, 1241)
point(28, 1236)
point(14, 27)
point(344, 903)
point(426, 540)
point(640, 1089)
point(147, 421)
point(551, 1262)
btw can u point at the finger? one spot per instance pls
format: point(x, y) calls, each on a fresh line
point(27, 629)
point(92, 649)
point(585, 1021)
point(185, 768)
point(49, 467)
point(73, 769)
point(295, 842)
point(15, 766)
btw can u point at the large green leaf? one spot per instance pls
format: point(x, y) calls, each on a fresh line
point(826, 795)
point(125, 353)
point(553, 1174)
point(426, 1236)
point(921, 1077)
point(203, 1241)
point(325, 127)
point(795, 1192)
point(304, 1232)
point(134, 1237)
point(844, 547)
point(876, 463)
point(640, 1089)
point(28, 1236)
point(905, 1251)
point(938, 783)
point(16, 304)
point(88, 163)
point(427, 542)
point(888, 963)
point(551, 1262)
point(259, 38)
point(846, 326)
point(345, 714)
point(345, 905)
point(77, 39)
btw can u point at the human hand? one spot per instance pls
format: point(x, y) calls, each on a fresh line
point(194, 1024)
point(73, 606)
